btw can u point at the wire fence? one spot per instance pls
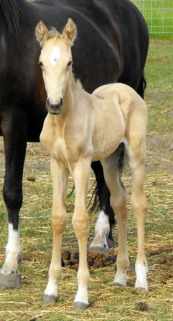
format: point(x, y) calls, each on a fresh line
point(158, 15)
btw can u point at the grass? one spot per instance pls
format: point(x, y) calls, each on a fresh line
point(159, 94)
point(158, 15)
point(107, 302)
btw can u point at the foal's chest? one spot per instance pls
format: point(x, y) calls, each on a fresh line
point(58, 142)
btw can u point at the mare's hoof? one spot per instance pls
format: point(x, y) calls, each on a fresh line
point(10, 280)
point(98, 250)
point(80, 306)
point(110, 243)
point(49, 298)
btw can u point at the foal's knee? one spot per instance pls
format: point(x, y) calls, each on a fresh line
point(80, 223)
point(58, 223)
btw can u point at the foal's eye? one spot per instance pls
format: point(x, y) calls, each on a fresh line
point(69, 63)
point(40, 64)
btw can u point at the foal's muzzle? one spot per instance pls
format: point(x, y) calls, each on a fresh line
point(54, 109)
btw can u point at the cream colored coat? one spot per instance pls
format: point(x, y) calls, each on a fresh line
point(90, 127)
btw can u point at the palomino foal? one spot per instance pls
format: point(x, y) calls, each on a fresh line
point(81, 128)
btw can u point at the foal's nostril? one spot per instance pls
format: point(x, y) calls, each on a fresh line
point(61, 102)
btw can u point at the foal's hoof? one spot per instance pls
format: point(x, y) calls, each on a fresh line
point(141, 290)
point(49, 298)
point(121, 285)
point(98, 250)
point(10, 280)
point(80, 306)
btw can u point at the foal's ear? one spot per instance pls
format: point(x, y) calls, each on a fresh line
point(41, 32)
point(70, 31)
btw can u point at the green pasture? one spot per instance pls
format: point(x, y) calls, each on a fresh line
point(158, 15)
point(108, 302)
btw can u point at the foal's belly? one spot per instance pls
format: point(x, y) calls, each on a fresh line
point(104, 150)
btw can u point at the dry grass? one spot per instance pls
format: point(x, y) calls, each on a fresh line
point(107, 301)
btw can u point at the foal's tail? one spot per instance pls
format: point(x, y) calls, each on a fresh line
point(121, 161)
point(142, 86)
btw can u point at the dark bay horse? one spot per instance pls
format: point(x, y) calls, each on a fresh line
point(111, 46)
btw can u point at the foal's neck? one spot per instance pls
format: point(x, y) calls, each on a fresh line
point(70, 88)
point(72, 94)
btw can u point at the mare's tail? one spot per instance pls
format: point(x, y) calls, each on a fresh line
point(142, 86)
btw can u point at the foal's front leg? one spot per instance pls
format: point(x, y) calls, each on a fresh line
point(81, 228)
point(59, 179)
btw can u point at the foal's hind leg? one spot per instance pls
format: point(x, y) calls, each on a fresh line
point(118, 203)
point(59, 180)
point(136, 155)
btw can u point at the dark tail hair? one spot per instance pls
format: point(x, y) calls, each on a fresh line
point(142, 87)
point(94, 201)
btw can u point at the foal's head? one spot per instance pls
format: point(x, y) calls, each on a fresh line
point(55, 61)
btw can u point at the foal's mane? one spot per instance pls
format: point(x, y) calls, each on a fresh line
point(13, 13)
point(52, 33)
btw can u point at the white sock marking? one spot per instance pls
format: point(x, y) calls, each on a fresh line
point(82, 295)
point(13, 251)
point(51, 289)
point(121, 278)
point(102, 229)
point(141, 276)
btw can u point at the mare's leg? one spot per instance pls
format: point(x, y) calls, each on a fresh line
point(118, 203)
point(103, 229)
point(59, 179)
point(81, 227)
point(139, 204)
point(14, 129)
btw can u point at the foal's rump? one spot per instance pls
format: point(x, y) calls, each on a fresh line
point(122, 112)
point(121, 94)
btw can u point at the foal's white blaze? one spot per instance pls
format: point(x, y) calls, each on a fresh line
point(13, 250)
point(102, 229)
point(55, 56)
point(141, 276)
